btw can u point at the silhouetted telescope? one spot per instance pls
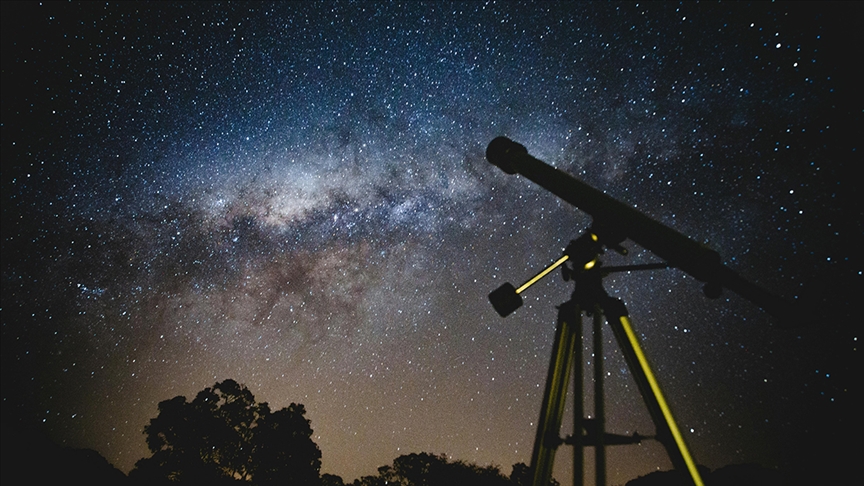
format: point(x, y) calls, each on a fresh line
point(614, 222)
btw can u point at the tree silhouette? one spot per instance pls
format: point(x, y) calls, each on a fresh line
point(425, 469)
point(224, 435)
point(433, 470)
point(284, 452)
point(523, 476)
point(331, 480)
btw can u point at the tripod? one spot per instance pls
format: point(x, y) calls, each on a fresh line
point(590, 298)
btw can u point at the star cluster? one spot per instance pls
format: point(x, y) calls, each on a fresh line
point(295, 196)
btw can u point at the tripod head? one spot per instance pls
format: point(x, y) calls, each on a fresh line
point(581, 254)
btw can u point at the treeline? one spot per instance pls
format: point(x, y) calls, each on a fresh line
point(434, 470)
point(224, 437)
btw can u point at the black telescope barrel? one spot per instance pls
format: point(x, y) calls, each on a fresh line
point(678, 250)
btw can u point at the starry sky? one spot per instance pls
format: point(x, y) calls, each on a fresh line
point(296, 196)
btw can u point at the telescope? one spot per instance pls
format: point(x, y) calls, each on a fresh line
point(613, 222)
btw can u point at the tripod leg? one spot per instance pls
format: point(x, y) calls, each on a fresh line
point(552, 412)
point(667, 431)
point(599, 405)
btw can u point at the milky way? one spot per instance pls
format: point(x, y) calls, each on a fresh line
point(296, 196)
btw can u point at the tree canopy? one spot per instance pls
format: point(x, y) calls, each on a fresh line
point(223, 436)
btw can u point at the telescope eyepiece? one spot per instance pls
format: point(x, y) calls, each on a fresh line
point(502, 152)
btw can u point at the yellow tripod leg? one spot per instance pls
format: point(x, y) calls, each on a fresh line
point(659, 400)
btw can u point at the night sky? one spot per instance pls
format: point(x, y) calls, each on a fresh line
point(296, 196)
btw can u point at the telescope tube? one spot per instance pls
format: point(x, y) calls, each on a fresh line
point(620, 221)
